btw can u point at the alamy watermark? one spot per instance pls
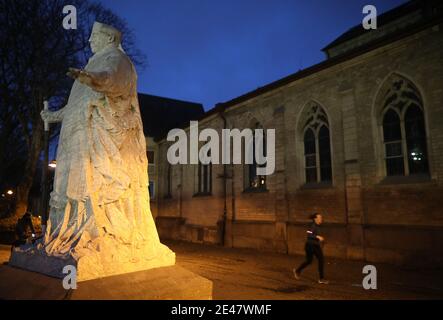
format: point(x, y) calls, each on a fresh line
point(70, 20)
point(370, 20)
point(259, 148)
point(70, 280)
point(370, 280)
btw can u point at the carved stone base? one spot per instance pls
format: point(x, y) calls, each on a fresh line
point(91, 266)
point(167, 283)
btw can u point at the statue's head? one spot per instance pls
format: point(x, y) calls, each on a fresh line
point(103, 36)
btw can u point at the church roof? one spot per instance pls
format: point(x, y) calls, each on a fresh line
point(159, 114)
point(382, 20)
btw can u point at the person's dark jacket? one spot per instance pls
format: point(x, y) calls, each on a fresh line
point(312, 233)
point(23, 225)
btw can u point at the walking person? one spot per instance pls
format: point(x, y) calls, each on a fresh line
point(313, 247)
point(22, 229)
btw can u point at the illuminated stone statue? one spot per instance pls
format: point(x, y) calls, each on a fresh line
point(100, 219)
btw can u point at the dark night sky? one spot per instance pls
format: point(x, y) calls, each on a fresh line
point(212, 51)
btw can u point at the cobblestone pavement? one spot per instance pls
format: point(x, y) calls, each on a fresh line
point(250, 274)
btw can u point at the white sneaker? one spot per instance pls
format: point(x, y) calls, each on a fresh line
point(323, 281)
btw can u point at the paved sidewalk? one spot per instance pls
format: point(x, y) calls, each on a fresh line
point(250, 274)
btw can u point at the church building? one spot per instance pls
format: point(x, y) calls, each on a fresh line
point(359, 139)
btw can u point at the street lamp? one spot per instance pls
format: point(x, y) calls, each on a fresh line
point(44, 184)
point(10, 192)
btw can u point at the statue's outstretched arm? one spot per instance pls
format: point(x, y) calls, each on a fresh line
point(114, 80)
point(53, 116)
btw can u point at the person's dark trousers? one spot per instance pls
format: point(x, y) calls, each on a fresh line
point(312, 250)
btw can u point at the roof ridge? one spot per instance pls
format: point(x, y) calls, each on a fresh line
point(170, 99)
point(383, 18)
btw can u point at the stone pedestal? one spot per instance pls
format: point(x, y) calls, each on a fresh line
point(97, 265)
point(167, 283)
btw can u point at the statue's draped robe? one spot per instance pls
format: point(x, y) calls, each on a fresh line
point(100, 200)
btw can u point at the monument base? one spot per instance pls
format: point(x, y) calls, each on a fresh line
point(91, 266)
point(167, 283)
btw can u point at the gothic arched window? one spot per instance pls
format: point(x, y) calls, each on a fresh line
point(404, 132)
point(317, 146)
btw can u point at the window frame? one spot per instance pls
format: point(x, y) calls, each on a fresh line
point(318, 166)
point(315, 119)
point(202, 180)
point(248, 178)
point(403, 142)
point(315, 154)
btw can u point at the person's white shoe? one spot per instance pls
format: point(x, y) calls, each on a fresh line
point(323, 281)
point(296, 275)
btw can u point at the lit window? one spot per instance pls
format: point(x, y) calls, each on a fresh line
point(404, 133)
point(254, 181)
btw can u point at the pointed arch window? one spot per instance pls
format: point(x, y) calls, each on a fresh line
point(317, 147)
point(404, 131)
